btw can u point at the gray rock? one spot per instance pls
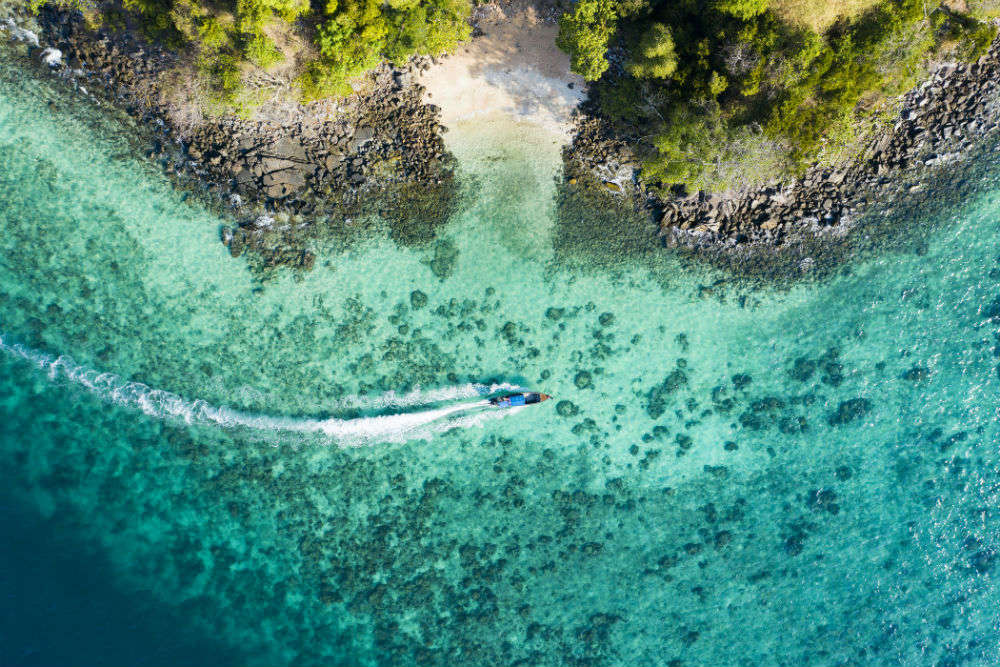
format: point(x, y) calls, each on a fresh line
point(363, 135)
point(288, 149)
point(280, 184)
point(272, 164)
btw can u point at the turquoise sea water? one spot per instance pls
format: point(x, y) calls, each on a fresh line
point(201, 470)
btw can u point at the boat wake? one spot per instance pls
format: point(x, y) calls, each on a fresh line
point(421, 414)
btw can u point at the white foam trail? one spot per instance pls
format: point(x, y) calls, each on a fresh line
point(350, 430)
point(346, 432)
point(420, 396)
point(389, 399)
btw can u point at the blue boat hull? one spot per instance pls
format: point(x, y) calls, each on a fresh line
point(518, 399)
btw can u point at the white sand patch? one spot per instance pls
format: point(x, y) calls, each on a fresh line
point(515, 68)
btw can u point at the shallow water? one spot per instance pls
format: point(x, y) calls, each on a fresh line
point(727, 476)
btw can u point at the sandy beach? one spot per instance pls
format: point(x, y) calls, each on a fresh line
point(513, 68)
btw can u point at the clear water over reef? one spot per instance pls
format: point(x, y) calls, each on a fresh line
point(727, 475)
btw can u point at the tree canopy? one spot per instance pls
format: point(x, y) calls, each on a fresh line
point(655, 56)
point(584, 34)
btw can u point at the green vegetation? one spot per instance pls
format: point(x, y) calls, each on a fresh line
point(356, 35)
point(819, 16)
point(321, 46)
point(724, 92)
point(584, 34)
point(655, 56)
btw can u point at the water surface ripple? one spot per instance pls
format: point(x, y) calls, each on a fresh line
point(727, 476)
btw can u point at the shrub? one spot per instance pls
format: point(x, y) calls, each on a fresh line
point(261, 51)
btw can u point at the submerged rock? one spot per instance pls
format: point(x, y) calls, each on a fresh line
point(849, 411)
point(802, 369)
point(916, 373)
point(795, 544)
point(567, 409)
point(741, 381)
point(656, 399)
point(768, 404)
point(833, 373)
point(793, 425)
point(992, 310)
point(418, 299)
point(443, 259)
point(982, 562)
point(823, 499)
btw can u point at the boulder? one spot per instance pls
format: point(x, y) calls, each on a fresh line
point(333, 160)
point(363, 135)
point(288, 149)
point(280, 184)
point(272, 164)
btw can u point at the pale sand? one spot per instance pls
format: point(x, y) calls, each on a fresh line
point(515, 69)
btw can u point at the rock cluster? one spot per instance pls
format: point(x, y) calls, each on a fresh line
point(939, 122)
point(378, 152)
point(391, 137)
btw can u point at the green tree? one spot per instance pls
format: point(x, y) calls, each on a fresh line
point(253, 14)
point(742, 9)
point(357, 34)
point(584, 34)
point(655, 57)
point(430, 27)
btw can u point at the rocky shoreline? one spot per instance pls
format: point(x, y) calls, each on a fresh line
point(324, 170)
point(940, 124)
point(321, 170)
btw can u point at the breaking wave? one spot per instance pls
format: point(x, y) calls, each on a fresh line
point(463, 405)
